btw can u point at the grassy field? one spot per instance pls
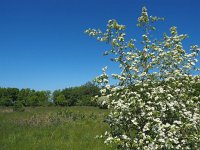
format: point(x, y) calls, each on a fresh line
point(52, 128)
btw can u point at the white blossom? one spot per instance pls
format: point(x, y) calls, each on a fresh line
point(153, 105)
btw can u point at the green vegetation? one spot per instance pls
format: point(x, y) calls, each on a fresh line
point(25, 97)
point(76, 96)
point(50, 128)
point(73, 96)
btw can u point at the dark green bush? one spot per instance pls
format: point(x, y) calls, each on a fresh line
point(18, 106)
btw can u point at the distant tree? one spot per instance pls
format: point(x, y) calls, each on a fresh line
point(33, 100)
point(60, 100)
point(88, 91)
point(28, 97)
point(13, 94)
point(55, 94)
point(8, 96)
point(80, 95)
point(23, 96)
point(6, 101)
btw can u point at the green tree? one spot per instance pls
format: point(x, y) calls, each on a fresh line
point(60, 100)
point(80, 95)
point(23, 96)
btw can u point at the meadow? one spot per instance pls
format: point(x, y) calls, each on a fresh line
point(52, 128)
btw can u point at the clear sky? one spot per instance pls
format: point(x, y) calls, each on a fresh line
point(43, 45)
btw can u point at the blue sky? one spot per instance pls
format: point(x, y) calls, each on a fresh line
point(43, 45)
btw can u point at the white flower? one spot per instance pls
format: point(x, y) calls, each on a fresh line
point(143, 74)
point(161, 90)
point(156, 98)
point(177, 122)
point(134, 121)
point(103, 90)
point(161, 140)
point(192, 63)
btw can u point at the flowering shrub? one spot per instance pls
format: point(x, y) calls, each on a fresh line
point(152, 106)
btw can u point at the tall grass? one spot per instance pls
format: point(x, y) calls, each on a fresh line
point(52, 128)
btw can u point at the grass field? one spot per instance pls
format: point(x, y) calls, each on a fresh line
point(52, 128)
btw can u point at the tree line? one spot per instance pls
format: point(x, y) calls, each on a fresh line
point(27, 97)
point(73, 96)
